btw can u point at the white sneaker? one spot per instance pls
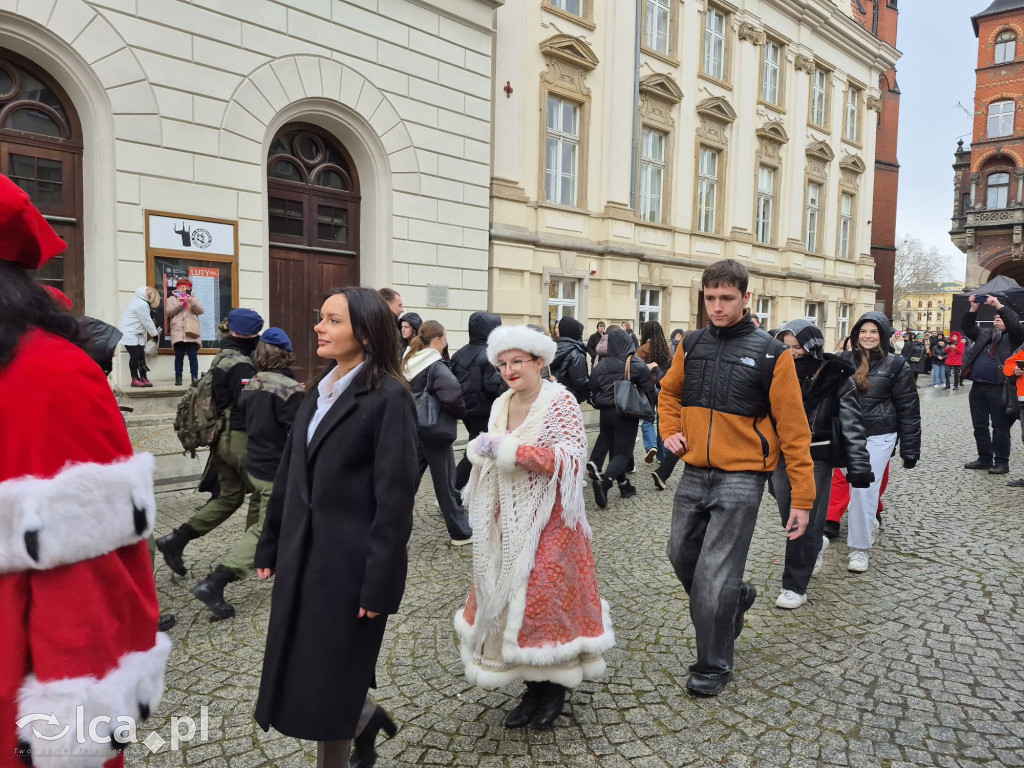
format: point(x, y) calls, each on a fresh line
point(858, 561)
point(462, 542)
point(821, 556)
point(790, 599)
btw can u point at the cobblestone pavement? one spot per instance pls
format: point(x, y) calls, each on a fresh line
point(918, 662)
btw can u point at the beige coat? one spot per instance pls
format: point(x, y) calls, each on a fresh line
point(184, 317)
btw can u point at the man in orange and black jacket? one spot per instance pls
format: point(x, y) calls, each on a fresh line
point(729, 406)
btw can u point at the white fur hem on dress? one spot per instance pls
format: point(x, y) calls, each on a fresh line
point(133, 689)
point(84, 511)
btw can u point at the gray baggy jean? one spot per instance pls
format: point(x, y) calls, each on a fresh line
point(713, 517)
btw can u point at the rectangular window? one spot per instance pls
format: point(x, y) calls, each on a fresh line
point(852, 114)
point(811, 219)
point(819, 96)
point(770, 72)
point(656, 32)
point(812, 312)
point(845, 223)
point(561, 300)
point(764, 311)
point(843, 321)
point(997, 190)
point(714, 44)
point(707, 190)
point(765, 201)
point(1006, 51)
point(563, 143)
point(650, 305)
point(574, 7)
point(1000, 119)
point(652, 174)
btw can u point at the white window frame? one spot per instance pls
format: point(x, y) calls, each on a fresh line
point(714, 42)
point(1000, 118)
point(843, 322)
point(658, 26)
point(812, 218)
point(1006, 48)
point(819, 97)
point(771, 72)
point(852, 122)
point(845, 224)
point(560, 301)
point(813, 313)
point(765, 204)
point(707, 189)
point(652, 174)
point(764, 311)
point(650, 303)
point(1000, 191)
point(557, 132)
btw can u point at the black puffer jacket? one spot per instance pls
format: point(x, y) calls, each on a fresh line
point(570, 367)
point(444, 386)
point(480, 382)
point(891, 403)
point(612, 368)
point(829, 392)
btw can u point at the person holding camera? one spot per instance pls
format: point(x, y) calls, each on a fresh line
point(983, 366)
point(182, 310)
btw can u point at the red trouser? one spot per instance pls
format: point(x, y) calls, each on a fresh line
point(840, 499)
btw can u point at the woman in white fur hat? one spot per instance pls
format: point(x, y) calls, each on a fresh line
point(534, 612)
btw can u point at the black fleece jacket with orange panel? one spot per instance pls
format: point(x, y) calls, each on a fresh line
point(734, 443)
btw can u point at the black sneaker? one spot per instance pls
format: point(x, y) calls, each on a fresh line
point(831, 529)
point(600, 493)
point(999, 469)
point(1018, 483)
point(626, 490)
point(978, 465)
point(594, 472)
point(659, 483)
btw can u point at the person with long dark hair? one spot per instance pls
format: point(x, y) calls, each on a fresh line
point(654, 351)
point(891, 409)
point(78, 604)
point(424, 369)
point(335, 536)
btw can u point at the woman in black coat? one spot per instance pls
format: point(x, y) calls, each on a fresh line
point(335, 536)
point(618, 433)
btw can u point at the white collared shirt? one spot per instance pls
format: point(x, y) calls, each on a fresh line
point(331, 388)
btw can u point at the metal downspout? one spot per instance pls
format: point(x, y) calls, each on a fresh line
point(636, 109)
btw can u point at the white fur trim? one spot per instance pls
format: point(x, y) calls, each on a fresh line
point(506, 457)
point(471, 454)
point(132, 689)
point(85, 511)
point(506, 337)
point(560, 664)
point(414, 365)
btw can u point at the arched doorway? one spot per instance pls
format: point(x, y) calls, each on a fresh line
point(313, 212)
point(41, 152)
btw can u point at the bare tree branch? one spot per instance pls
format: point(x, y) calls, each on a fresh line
point(917, 269)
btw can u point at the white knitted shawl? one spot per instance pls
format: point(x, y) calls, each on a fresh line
point(509, 507)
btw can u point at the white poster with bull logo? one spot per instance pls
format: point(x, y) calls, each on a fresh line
point(194, 235)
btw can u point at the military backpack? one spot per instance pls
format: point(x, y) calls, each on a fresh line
point(197, 422)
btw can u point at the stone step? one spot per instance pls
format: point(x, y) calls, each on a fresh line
point(158, 399)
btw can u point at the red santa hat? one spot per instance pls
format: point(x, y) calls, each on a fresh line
point(25, 236)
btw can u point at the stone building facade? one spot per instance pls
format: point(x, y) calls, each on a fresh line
point(272, 149)
point(927, 307)
point(988, 204)
point(754, 138)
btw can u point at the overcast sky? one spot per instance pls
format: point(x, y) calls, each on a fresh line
point(936, 78)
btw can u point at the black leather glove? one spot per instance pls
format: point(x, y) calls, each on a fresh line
point(909, 463)
point(858, 480)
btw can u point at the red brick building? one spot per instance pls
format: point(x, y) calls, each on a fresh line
point(881, 17)
point(988, 208)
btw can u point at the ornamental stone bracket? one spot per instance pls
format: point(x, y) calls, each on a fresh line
point(804, 64)
point(874, 104)
point(750, 33)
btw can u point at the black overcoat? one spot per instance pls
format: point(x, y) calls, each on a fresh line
point(336, 531)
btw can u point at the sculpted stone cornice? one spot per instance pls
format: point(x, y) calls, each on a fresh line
point(717, 108)
point(661, 87)
point(773, 130)
point(804, 64)
point(570, 50)
point(820, 150)
point(853, 164)
point(750, 33)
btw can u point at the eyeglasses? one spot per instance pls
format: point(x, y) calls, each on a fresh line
point(515, 365)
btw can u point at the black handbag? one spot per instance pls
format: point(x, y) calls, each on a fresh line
point(628, 400)
point(1011, 405)
point(434, 424)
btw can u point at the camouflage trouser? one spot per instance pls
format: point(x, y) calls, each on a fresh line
point(240, 560)
point(228, 459)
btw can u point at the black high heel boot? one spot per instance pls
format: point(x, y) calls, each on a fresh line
point(364, 754)
point(520, 716)
point(551, 707)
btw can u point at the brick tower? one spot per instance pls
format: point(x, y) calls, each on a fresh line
point(988, 208)
point(881, 17)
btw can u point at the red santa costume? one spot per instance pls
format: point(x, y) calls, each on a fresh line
point(534, 612)
point(78, 606)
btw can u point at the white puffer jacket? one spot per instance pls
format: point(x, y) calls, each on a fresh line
point(136, 324)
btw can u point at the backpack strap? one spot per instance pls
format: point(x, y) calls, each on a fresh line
point(689, 342)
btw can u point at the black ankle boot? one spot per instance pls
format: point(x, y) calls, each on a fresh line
point(520, 716)
point(211, 592)
point(364, 753)
point(172, 547)
point(626, 490)
point(551, 707)
point(166, 622)
point(177, 381)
